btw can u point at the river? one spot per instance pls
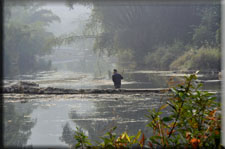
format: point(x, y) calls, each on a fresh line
point(50, 120)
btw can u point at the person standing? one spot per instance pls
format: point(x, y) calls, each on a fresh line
point(116, 78)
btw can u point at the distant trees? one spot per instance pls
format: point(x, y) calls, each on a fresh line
point(154, 35)
point(207, 33)
point(205, 49)
point(25, 37)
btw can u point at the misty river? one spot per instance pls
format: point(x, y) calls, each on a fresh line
point(50, 120)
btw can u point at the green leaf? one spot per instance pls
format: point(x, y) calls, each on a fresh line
point(159, 113)
point(155, 137)
point(89, 143)
point(212, 98)
point(163, 106)
point(181, 94)
point(167, 119)
point(77, 145)
point(208, 94)
point(137, 136)
point(182, 138)
point(114, 128)
point(154, 141)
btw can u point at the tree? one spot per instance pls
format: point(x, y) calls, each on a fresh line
point(26, 37)
point(142, 28)
point(208, 32)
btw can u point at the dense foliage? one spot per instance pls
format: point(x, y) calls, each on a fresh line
point(153, 35)
point(25, 37)
point(194, 121)
point(190, 118)
point(201, 59)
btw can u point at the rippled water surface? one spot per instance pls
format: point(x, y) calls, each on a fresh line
point(50, 120)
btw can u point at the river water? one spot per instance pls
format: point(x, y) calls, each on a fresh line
point(50, 120)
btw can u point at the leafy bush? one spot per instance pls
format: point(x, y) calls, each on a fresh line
point(206, 59)
point(194, 121)
point(110, 140)
point(164, 56)
point(82, 139)
point(183, 62)
point(201, 59)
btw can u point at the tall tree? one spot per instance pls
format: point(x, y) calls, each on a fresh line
point(138, 29)
point(141, 28)
point(25, 36)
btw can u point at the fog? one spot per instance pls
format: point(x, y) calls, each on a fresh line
point(59, 52)
point(56, 52)
point(72, 19)
point(78, 55)
point(97, 37)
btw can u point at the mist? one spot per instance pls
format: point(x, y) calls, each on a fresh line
point(94, 65)
point(59, 52)
point(97, 37)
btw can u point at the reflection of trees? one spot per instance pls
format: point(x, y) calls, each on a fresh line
point(68, 135)
point(17, 125)
point(145, 80)
point(127, 116)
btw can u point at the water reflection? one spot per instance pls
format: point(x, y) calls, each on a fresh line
point(17, 124)
point(125, 112)
point(68, 135)
point(49, 120)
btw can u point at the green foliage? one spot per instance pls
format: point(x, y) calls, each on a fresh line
point(193, 121)
point(110, 140)
point(82, 139)
point(148, 32)
point(201, 59)
point(207, 32)
point(125, 58)
point(140, 28)
point(123, 141)
point(163, 56)
point(206, 59)
point(26, 39)
point(182, 62)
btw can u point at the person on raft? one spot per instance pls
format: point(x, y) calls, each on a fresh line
point(116, 78)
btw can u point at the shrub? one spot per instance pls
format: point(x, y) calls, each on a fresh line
point(206, 59)
point(163, 56)
point(194, 121)
point(183, 62)
point(201, 59)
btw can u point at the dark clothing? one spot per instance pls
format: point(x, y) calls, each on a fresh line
point(117, 80)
